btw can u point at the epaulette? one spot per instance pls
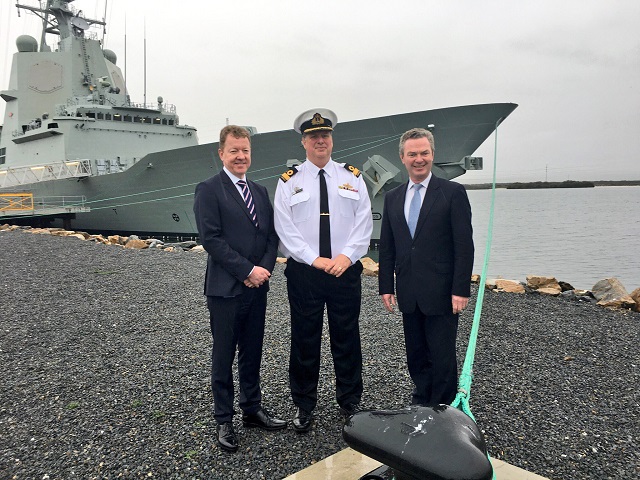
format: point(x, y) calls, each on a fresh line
point(288, 174)
point(352, 169)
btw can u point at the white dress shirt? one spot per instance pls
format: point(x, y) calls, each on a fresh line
point(297, 213)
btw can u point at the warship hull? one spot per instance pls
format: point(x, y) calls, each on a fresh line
point(155, 195)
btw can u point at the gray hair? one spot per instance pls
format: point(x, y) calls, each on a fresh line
point(417, 133)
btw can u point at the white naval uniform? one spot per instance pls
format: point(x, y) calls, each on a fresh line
point(297, 213)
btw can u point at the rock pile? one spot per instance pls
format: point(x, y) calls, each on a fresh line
point(608, 293)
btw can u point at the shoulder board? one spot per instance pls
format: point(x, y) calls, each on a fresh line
point(352, 169)
point(288, 174)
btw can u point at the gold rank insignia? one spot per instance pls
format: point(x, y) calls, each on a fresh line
point(346, 186)
point(288, 174)
point(352, 169)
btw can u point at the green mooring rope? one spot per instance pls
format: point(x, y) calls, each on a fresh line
point(461, 401)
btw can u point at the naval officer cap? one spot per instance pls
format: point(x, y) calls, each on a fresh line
point(314, 120)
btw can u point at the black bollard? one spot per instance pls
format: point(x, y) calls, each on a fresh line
point(420, 443)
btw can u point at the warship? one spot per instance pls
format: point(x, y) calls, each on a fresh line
point(76, 152)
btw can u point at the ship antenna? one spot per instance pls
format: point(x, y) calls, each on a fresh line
point(104, 19)
point(145, 62)
point(126, 92)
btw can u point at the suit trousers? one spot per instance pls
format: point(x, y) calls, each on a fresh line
point(237, 322)
point(309, 291)
point(430, 341)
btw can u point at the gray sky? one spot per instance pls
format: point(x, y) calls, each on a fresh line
point(573, 66)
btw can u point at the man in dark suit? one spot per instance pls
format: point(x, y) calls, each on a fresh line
point(426, 240)
point(235, 223)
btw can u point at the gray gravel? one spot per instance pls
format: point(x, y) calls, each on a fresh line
point(105, 359)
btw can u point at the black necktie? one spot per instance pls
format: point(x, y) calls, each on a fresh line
point(325, 227)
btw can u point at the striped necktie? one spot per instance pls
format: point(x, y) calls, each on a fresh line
point(248, 200)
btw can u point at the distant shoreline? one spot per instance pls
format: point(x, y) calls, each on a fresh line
point(565, 184)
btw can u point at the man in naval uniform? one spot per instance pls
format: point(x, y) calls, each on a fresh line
point(323, 218)
point(235, 223)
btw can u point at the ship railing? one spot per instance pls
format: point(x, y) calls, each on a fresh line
point(40, 173)
point(25, 204)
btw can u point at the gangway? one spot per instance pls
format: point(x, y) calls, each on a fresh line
point(24, 204)
point(12, 177)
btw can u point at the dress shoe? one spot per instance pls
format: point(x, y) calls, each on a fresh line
point(350, 409)
point(227, 437)
point(302, 420)
point(263, 419)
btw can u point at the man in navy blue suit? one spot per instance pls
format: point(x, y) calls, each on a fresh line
point(235, 223)
point(426, 240)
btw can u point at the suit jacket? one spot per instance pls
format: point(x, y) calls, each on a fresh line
point(438, 261)
point(228, 234)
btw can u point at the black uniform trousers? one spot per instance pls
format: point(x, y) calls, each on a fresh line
point(309, 291)
point(237, 322)
point(430, 341)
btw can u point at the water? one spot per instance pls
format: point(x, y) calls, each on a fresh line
point(577, 235)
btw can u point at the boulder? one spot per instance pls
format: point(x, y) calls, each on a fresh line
point(136, 243)
point(546, 285)
point(370, 267)
point(198, 249)
point(79, 236)
point(636, 298)
point(566, 286)
point(116, 240)
point(475, 278)
point(509, 286)
point(611, 293)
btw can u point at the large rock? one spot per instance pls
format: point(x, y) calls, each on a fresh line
point(544, 285)
point(117, 240)
point(136, 243)
point(611, 293)
point(509, 286)
point(370, 267)
point(636, 298)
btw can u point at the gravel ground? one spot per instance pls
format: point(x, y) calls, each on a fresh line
point(105, 353)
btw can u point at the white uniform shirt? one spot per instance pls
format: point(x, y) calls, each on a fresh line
point(297, 213)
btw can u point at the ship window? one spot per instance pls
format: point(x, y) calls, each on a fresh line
point(127, 118)
point(170, 122)
point(100, 116)
point(156, 121)
point(107, 116)
point(117, 117)
point(3, 155)
point(91, 114)
point(52, 125)
point(137, 119)
point(164, 121)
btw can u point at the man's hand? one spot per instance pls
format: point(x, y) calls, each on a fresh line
point(339, 265)
point(257, 277)
point(389, 300)
point(333, 267)
point(459, 303)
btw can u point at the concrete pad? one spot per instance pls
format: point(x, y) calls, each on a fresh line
point(351, 465)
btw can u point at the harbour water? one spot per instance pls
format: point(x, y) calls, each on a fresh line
point(578, 235)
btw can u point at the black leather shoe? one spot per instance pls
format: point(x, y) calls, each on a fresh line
point(350, 409)
point(263, 419)
point(227, 437)
point(302, 420)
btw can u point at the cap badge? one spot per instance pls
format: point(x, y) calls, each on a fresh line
point(317, 120)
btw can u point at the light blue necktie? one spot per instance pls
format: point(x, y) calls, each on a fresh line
point(414, 208)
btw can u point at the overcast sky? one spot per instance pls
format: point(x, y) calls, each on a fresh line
point(573, 66)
